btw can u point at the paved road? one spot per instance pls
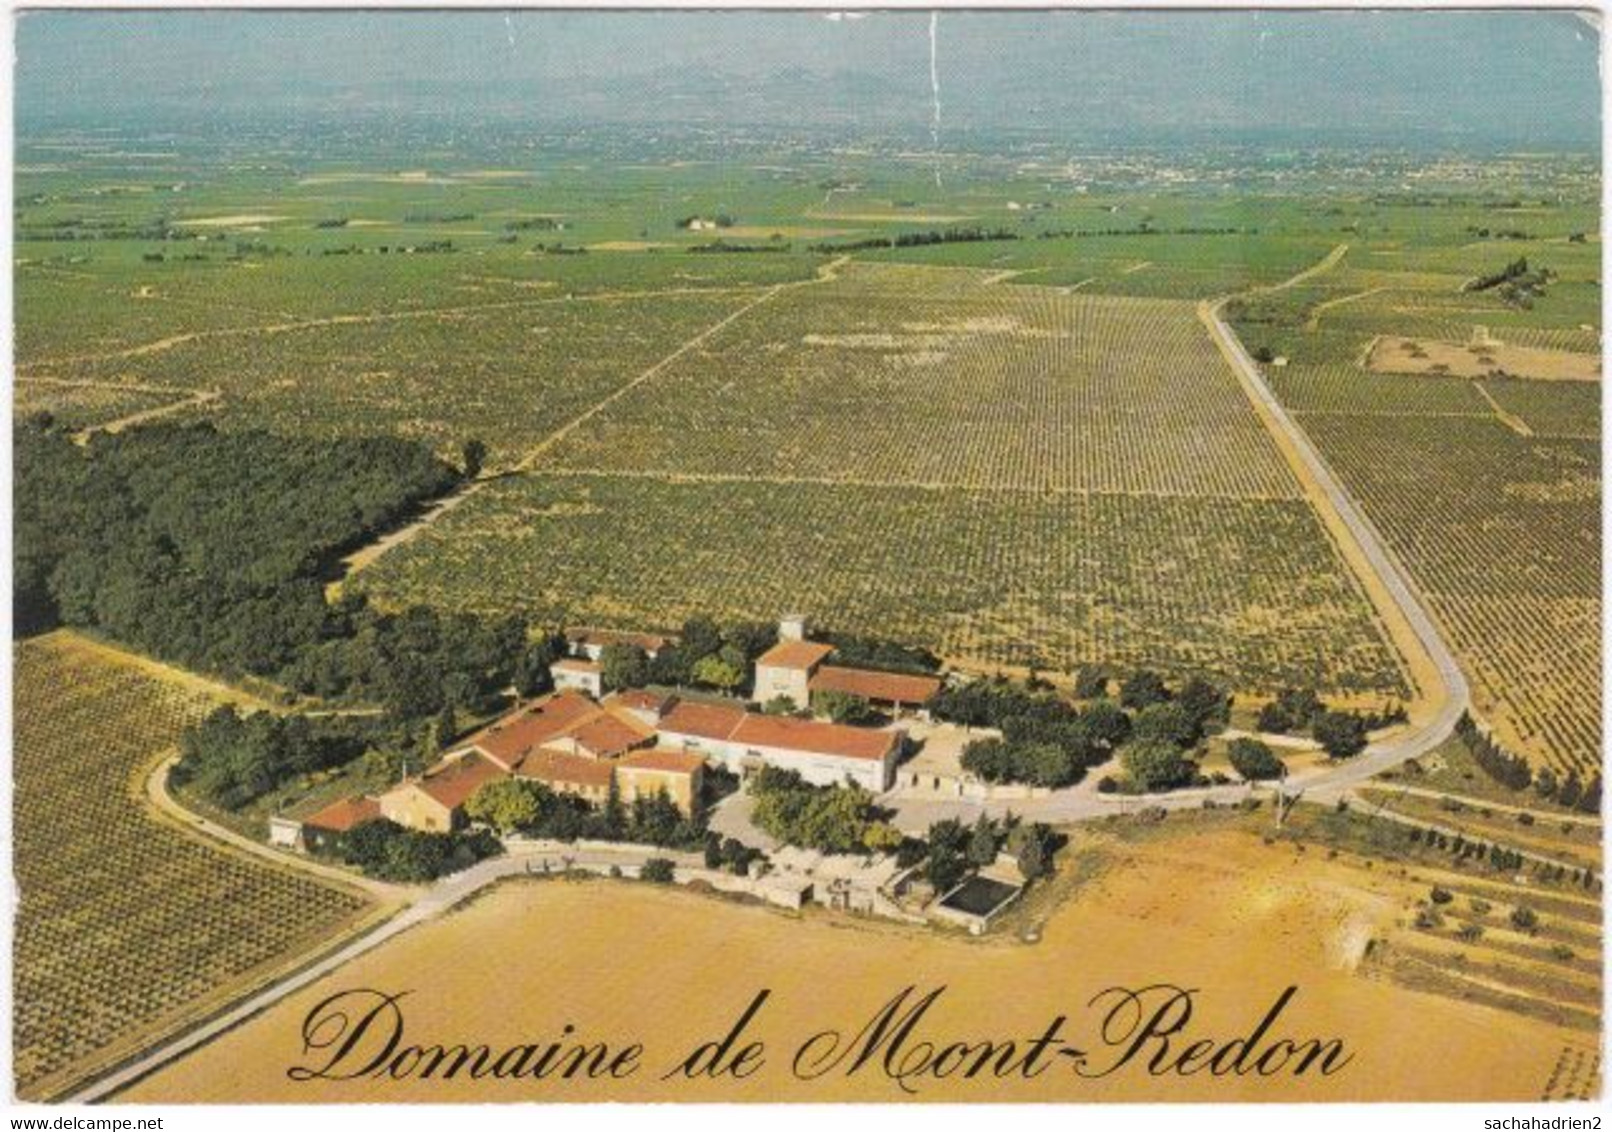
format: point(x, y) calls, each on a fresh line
point(159, 795)
point(1327, 784)
point(1454, 697)
point(524, 860)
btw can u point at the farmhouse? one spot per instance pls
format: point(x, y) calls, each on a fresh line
point(677, 774)
point(579, 741)
point(591, 643)
point(434, 802)
point(319, 828)
point(795, 669)
point(822, 753)
point(785, 671)
point(569, 774)
point(578, 675)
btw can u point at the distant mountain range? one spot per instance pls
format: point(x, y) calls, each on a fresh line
point(1462, 78)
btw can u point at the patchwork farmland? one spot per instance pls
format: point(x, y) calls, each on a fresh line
point(1488, 485)
point(1018, 476)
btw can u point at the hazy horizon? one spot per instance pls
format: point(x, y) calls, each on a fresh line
point(1455, 78)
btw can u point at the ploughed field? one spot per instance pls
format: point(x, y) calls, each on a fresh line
point(128, 928)
point(1017, 475)
point(1477, 462)
point(1211, 909)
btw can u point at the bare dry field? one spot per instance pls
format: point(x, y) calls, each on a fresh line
point(1392, 354)
point(1217, 911)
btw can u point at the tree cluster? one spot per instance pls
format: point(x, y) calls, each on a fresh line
point(388, 851)
point(232, 759)
point(832, 819)
point(529, 808)
point(211, 550)
point(1513, 771)
point(845, 707)
point(880, 655)
point(953, 851)
point(704, 653)
point(919, 240)
point(730, 854)
point(1254, 761)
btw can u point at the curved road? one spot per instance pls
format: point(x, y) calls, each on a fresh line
point(534, 859)
point(1448, 698)
point(1453, 697)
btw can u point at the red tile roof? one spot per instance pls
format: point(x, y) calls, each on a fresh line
point(732, 724)
point(815, 737)
point(609, 735)
point(705, 721)
point(886, 687)
point(509, 739)
point(663, 759)
point(339, 817)
point(576, 664)
point(452, 783)
point(555, 768)
point(636, 699)
point(795, 654)
point(649, 642)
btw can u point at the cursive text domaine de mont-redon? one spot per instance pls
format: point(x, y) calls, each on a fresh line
point(362, 1034)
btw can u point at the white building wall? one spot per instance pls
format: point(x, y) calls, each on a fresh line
point(773, 682)
point(570, 680)
point(820, 770)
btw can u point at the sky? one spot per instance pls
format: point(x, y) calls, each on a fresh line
point(1463, 77)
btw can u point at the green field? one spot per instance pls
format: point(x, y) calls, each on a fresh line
point(1246, 590)
point(1013, 475)
point(1489, 489)
point(1020, 450)
point(900, 375)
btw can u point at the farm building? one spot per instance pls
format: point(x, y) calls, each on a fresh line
point(796, 668)
point(677, 774)
point(785, 671)
point(591, 643)
point(318, 829)
point(434, 802)
point(585, 777)
point(823, 753)
point(887, 689)
point(573, 674)
point(579, 742)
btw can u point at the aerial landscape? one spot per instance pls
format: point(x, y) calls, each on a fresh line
point(868, 520)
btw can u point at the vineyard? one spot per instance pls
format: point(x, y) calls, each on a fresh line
point(1247, 590)
point(899, 375)
point(1503, 533)
point(507, 375)
point(1489, 490)
point(76, 405)
point(127, 927)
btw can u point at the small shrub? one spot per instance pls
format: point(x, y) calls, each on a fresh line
point(1441, 895)
point(657, 870)
point(1525, 919)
